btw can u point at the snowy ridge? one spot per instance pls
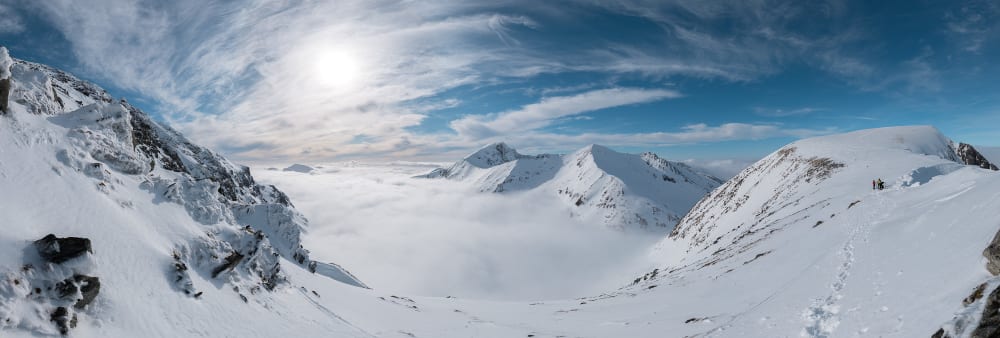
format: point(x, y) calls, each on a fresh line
point(806, 216)
point(624, 191)
point(114, 167)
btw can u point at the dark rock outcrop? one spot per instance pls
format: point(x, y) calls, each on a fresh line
point(230, 263)
point(4, 95)
point(971, 156)
point(989, 325)
point(57, 250)
point(80, 287)
point(63, 319)
point(992, 254)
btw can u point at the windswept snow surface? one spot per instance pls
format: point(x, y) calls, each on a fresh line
point(796, 245)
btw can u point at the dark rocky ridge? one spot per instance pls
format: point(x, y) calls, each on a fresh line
point(971, 156)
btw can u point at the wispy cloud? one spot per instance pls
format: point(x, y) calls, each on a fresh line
point(778, 112)
point(10, 21)
point(542, 114)
point(973, 24)
point(262, 79)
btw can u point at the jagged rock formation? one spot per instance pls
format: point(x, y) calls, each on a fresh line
point(969, 155)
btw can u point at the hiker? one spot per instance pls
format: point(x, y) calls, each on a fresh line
point(881, 185)
point(873, 185)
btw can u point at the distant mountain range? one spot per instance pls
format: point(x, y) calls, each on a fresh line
point(625, 191)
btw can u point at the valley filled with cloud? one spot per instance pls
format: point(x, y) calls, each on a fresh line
point(443, 238)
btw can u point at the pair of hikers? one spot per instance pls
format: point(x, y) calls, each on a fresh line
point(878, 184)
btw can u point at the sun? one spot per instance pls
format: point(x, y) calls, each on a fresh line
point(336, 68)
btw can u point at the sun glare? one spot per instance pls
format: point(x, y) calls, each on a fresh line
point(337, 68)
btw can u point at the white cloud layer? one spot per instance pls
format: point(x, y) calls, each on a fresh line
point(436, 237)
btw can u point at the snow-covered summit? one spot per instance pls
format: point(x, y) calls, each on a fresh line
point(492, 155)
point(809, 219)
point(622, 190)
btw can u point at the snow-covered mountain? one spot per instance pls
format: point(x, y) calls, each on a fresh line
point(840, 258)
point(625, 191)
point(155, 236)
point(161, 217)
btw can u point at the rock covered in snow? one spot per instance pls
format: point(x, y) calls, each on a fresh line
point(5, 63)
point(54, 291)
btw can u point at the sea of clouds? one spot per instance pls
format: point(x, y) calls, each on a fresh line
point(437, 237)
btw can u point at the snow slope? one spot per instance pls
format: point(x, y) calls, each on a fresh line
point(623, 191)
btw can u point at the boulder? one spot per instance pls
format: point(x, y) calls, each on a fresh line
point(230, 263)
point(89, 288)
point(57, 250)
point(63, 319)
point(992, 254)
point(80, 287)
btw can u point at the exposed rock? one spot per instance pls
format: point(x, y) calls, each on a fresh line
point(57, 250)
point(989, 325)
point(5, 63)
point(977, 293)
point(80, 287)
point(971, 156)
point(4, 95)
point(230, 263)
point(147, 141)
point(89, 288)
point(63, 319)
point(992, 254)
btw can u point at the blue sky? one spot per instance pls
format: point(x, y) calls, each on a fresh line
point(392, 80)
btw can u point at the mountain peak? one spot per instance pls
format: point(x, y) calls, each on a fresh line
point(492, 154)
point(621, 190)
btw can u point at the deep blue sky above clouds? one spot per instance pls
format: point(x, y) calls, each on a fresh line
point(276, 81)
